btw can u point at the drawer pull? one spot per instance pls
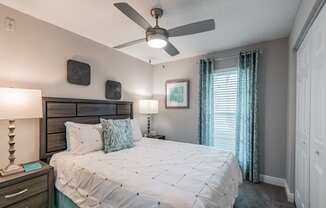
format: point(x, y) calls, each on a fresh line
point(15, 194)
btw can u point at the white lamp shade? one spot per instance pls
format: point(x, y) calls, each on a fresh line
point(20, 103)
point(148, 106)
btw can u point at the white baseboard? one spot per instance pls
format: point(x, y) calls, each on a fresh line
point(273, 180)
point(289, 194)
point(278, 182)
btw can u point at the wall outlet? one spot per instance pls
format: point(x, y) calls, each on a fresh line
point(9, 24)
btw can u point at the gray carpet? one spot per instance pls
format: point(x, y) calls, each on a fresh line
point(262, 196)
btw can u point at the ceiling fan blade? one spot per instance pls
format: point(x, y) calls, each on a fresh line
point(134, 42)
point(193, 28)
point(171, 50)
point(133, 15)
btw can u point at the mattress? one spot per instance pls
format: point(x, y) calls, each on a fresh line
point(154, 173)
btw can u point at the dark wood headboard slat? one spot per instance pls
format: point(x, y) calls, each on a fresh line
point(85, 109)
point(56, 125)
point(123, 109)
point(116, 117)
point(57, 111)
point(60, 110)
point(58, 142)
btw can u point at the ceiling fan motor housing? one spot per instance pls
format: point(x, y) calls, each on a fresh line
point(157, 32)
point(157, 12)
point(157, 37)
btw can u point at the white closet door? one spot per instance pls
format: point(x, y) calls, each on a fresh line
point(310, 189)
point(318, 113)
point(302, 126)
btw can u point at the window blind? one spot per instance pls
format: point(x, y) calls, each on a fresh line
point(225, 83)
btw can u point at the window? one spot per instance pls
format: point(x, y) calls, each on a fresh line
point(225, 82)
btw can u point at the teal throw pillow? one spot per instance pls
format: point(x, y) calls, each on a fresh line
point(117, 135)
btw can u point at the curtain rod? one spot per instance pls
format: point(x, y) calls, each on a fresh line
point(221, 58)
point(216, 58)
point(225, 58)
point(232, 56)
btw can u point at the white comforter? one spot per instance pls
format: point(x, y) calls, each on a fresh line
point(154, 173)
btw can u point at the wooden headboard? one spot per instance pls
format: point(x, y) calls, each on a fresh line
point(56, 111)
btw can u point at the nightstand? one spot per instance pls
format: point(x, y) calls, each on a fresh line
point(28, 190)
point(157, 137)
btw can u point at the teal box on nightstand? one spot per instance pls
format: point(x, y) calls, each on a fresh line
point(32, 166)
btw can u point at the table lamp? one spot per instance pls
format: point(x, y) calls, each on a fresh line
point(148, 107)
point(17, 104)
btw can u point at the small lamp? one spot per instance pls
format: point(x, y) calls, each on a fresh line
point(148, 107)
point(17, 104)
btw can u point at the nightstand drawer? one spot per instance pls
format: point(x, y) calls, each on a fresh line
point(38, 201)
point(17, 192)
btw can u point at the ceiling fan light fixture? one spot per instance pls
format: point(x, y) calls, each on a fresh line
point(157, 41)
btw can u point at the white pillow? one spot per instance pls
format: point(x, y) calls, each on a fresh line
point(136, 132)
point(83, 138)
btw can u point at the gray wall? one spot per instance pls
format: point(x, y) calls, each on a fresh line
point(182, 125)
point(302, 14)
point(35, 55)
point(177, 124)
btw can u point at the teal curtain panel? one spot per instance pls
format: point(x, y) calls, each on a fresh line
point(206, 123)
point(246, 128)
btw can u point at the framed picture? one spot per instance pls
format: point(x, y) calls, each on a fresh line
point(177, 93)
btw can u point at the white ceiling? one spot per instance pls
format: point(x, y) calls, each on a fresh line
point(238, 22)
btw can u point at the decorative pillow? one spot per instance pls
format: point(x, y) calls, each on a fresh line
point(136, 132)
point(83, 138)
point(117, 135)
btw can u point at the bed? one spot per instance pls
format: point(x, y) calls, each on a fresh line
point(154, 173)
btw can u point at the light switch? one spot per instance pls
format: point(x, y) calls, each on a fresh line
point(10, 24)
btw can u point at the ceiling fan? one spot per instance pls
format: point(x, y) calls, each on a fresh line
point(158, 37)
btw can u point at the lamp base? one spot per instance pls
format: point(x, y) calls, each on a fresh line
point(149, 117)
point(11, 169)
